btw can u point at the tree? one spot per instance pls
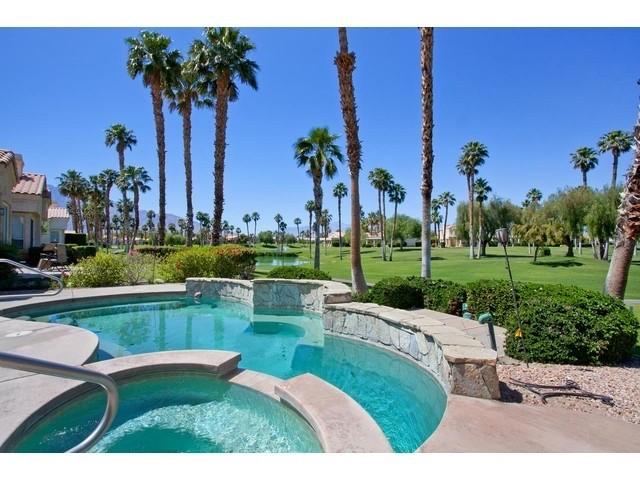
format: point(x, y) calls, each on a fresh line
point(123, 138)
point(221, 59)
point(278, 220)
point(297, 222)
point(137, 180)
point(246, 218)
point(184, 93)
point(310, 207)
point(397, 195)
point(182, 226)
point(481, 189)
point(627, 225)
point(533, 198)
point(569, 208)
point(345, 62)
point(150, 57)
point(205, 223)
point(473, 155)
point(381, 180)
point(601, 221)
point(426, 62)
point(536, 230)
point(108, 179)
point(255, 216)
point(446, 199)
point(584, 159)
point(73, 185)
point(282, 228)
point(498, 213)
point(616, 142)
point(319, 153)
point(325, 221)
point(436, 218)
point(340, 191)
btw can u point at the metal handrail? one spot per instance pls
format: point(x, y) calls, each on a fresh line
point(40, 272)
point(45, 367)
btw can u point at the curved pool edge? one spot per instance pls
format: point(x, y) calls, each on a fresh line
point(344, 427)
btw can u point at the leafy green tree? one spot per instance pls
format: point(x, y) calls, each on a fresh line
point(474, 154)
point(397, 195)
point(340, 191)
point(319, 154)
point(536, 230)
point(221, 59)
point(601, 221)
point(616, 142)
point(381, 180)
point(498, 213)
point(569, 208)
point(584, 159)
point(446, 199)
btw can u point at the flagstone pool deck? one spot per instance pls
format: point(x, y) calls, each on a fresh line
point(469, 424)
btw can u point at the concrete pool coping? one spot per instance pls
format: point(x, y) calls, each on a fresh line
point(340, 424)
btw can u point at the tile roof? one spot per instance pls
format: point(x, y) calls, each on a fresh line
point(56, 211)
point(6, 156)
point(31, 184)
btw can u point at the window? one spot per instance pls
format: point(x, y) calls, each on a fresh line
point(54, 236)
point(4, 224)
point(17, 232)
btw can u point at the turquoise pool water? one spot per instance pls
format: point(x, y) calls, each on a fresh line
point(406, 401)
point(178, 413)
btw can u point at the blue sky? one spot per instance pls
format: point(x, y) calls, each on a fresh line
point(531, 95)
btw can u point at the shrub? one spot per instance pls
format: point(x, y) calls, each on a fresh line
point(138, 269)
point(298, 273)
point(266, 237)
point(173, 239)
point(158, 251)
point(441, 295)
point(492, 296)
point(76, 253)
point(394, 292)
point(226, 261)
point(545, 252)
point(75, 238)
point(103, 270)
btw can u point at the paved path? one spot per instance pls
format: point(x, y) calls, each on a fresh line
point(476, 425)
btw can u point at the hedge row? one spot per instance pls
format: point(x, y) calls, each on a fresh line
point(300, 273)
point(559, 324)
point(224, 261)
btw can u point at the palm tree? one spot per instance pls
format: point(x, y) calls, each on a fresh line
point(108, 179)
point(205, 222)
point(282, 228)
point(616, 142)
point(482, 189)
point(346, 63)
point(381, 180)
point(137, 180)
point(426, 62)
point(533, 198)
point(71, 184)
point(628, 225)
point(436, 218)
point(118, 135)
point(310, 207)
point(318, 152)
point(221, 59)
point(255, 216)
point(182, 225)
point(473, 155)
point(446, 199)
point(397, 195)
point(278, 220)
point(325, 222)
point(184, 93)
point(117, 222)
point(246, 218)
point(150, 57)
point(297, 222)
point(584, 159)
point(340, 191)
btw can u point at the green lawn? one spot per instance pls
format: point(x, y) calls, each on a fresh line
point(454, 264)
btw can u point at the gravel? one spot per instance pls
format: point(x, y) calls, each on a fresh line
point(620, 382)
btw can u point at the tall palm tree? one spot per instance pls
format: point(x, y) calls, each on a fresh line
point(346, 63)
point(325, 221)
point(123, 138)
point(137, 180)
point(446, 199)
point(108, 179)
point(381, 180)
point(310, 207)
point(584, 159)
point(71, 184)
point(436, 218)
point(150, 57)
point(205, 222)
point(473, 155)
point(426, 63)
point(184, 94)
point(255, 216)
point(340, 191)
point(481, 189)
point(246, 218)
point(319, 153)
point(533, 198)
point(628, 225)
point(616, 142)
point(282, 229)
point(221, 59)
point(278, 220)
point(397, 195)
point(297, 222)
point(182, 225)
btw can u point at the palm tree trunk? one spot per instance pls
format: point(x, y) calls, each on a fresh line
point(107, 214)
point(384, 226)
point(470, 208)
point(310, 228)
point(444, 231)
point(479, 229)
point(584, 178)
point(186, 142)
point(136, 217)
point(426, 61)
point(340, 227)
point(158, 116)
point(382, 252)
point(298, 227)
point(393, 230)
point(317, 195)
point(222, 104)
point(614, 172)
point(346, 63)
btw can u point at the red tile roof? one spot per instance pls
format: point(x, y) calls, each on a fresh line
point(30, 184)
point(6, 156)
point(56, 211)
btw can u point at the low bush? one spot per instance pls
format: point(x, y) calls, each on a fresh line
point(158, 251)
point(298, 273)
point(103, 270)
point(225, 261)
point(276, 253)
point(394, 292)
point(76, 253)
point(173, 239)
point(545, 252)
point(441, 295)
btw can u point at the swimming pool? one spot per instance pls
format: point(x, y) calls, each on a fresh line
point(174, 413)
point(405, 400)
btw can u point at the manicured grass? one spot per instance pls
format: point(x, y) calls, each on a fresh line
point(454, 264)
